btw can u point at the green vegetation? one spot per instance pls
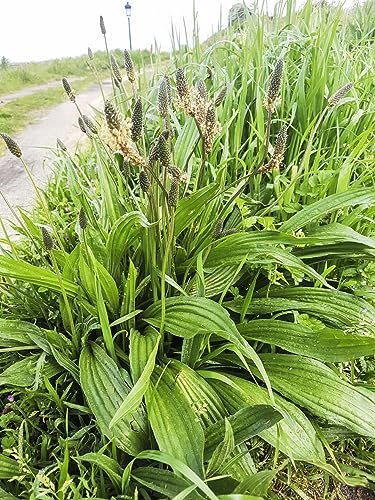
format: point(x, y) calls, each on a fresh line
point(14, 78)
point(190, 310)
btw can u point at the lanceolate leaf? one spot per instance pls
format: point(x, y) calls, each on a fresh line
point(105, 389)
point(122, 235)
point(313, 385)
point(24, 271)
point(23, 372)
point(325, 344)
point(176, 428)
point(333, 202)
point(141, 348)
point(162, 481)
point(245, 423)
point(8, 467)
point(297, 437)
point(187, 316)
point(135, 396)
point(209, 409)
point(334, 307)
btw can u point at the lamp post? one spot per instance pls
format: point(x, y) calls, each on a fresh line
point(128, 9)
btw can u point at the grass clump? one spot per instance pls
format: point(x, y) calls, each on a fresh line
point(177, 320)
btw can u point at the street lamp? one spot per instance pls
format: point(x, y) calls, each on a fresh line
point(128, 9)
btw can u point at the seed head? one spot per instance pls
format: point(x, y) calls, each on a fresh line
point(125, 167)
point(202, 90)
point(11, 145)
point(82, 219)
point(218, 229)
point(337, 96)
point(163, 98)
point(164, 152)
point(182, 84)
point(68, 89)
point(229, 231)
point(90, 54)
point(112, 116)
point(210, 127)
point(102, 27)
point(129, 66)
point(278, 152)
point(82, 125)
point(144, 181)
point(173, 194)
point(168, 86)
point(116, 70)
point(90, 124)
point(154, 152)
point(47, 239)
point(61, 145)
point(137, 121)
point(221, 96)
point(274, 86)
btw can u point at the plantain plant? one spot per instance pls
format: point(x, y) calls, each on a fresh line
point(195, 350)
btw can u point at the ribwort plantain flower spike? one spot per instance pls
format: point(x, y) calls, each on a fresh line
point(144, 181)
point(102, 26)
point(90, 124)
point(340, 94)
point(47, 239)
point(61, 145)
point(163, 99)
point(221, 96)
point(90, 54)
point(273, 91)
point(202, 90)
point(11, 145)
point(82, 125)
point(116, 71)
point(164, 152)
point(129, 66)
point(112, 116)
point(278, 152)
point(181, 83)
point(218, 229)
point(173, 194)
point(68, 89)
point(82, 219)
point(137, 121)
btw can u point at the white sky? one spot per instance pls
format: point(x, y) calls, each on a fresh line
point(45, 29)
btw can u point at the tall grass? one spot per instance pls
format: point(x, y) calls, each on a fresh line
point(186, 317)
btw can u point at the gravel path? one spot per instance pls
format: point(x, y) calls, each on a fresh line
point(35, 141)
point(6, 99)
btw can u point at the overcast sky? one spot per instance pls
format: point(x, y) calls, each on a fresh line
point(44, 29)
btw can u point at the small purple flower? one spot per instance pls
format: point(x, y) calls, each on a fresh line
point(10, 398)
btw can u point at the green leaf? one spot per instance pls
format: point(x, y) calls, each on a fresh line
point(297, 437)
point(313, 385)
point(324, 344)
point(337, 201)
point(334, 307)
point(135, 396)
point(109, 465)
point(15, 333)
point(246, 423)
point(174, 423)
point(23, 373)
point(180, 467)
point(187, 316)
point(190, 207)
point(162, 481)
point(257, 484)
point(105, 389)
point(140, 349)
point(121, 237)
point(8, 467)
point(222, 451)
point(209, 409)
point(19, 269)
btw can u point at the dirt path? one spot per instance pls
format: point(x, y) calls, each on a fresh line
point(6, 99)
point(59, 122)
